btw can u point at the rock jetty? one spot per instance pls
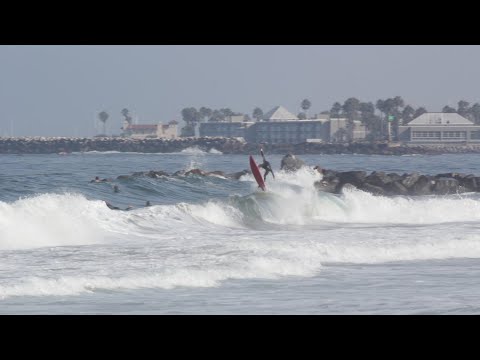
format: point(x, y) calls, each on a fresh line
point(60, 145)
point(381, 183)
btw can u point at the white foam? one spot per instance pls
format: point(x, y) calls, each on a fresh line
point(193, 150)
point(49, 220)
point(202, 267)
point(363, 207)
point(215, 152)
point(215, 213)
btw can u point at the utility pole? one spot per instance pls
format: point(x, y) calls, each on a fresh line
point(382, 119)
point(390, 119)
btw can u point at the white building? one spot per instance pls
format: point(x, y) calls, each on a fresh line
point(279, 113)
point(439, 128)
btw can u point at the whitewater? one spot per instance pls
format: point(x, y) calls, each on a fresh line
point(217, 245)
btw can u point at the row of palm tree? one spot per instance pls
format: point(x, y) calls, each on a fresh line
point(103, 117)
point(374, 116)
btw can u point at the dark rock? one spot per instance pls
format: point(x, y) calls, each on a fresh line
point(423, 186)
point(196, 172)
point(329, 175)
point(327, 186)
point(291, 163)
point(375, 190)
point(472, 183)
point(355, 178)
point(450, 175)
point(445, 185)
point(239, 174)
point(396, 188)
point(378, 178)
point(410, 179)
point(395, 177)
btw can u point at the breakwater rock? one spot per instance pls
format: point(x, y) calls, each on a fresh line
point(49, 145)
point(381, 183)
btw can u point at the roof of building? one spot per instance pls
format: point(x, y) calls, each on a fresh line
point(279, 113)
point(440, 119)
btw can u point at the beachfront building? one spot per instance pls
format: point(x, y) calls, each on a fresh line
point(439, 128)
point(224, 129)
point(280, 126)
point(232, 126)
point(146, 131)
point(337, 130)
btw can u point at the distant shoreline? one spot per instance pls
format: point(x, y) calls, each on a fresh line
point(62, 145)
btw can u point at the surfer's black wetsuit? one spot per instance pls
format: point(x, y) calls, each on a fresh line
point(268, 169)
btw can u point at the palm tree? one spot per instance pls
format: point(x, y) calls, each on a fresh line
point(448, 109)
point(205, 113)
point(103, 116)
point(126, 114)
point(336, 110)
point(306, 105)
point(421, 110)
point(407, 114)
point(475, 110)
point(257, 114)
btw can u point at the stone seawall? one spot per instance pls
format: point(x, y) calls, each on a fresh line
point(225, 145)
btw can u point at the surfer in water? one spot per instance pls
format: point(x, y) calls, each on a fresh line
point(111, 207)
point(98, 180)
point(266, 166)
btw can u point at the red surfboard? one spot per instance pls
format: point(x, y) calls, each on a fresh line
point(256, 173)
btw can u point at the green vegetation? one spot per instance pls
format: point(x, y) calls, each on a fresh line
point(375, 116)
point(103, 116)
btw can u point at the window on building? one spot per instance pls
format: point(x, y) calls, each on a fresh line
point(455, 134)
point(428, 135)
point(475, 135)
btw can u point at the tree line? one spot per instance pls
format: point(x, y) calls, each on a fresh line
point(375, 116)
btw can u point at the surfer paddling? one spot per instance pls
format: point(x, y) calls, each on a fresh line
point(98, 180)
point(266, 166)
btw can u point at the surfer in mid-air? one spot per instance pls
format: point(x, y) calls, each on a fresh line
point(266, 166)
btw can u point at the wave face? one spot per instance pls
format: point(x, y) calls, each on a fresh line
point(214, 229)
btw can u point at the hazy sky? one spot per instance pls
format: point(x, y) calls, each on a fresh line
point(59, 90)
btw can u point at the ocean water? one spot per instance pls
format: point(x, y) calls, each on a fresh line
point(214, 245)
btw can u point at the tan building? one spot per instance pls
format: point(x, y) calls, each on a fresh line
point(147, 131)
point(338, 130)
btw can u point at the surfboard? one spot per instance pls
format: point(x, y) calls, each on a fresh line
point(256, 173)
